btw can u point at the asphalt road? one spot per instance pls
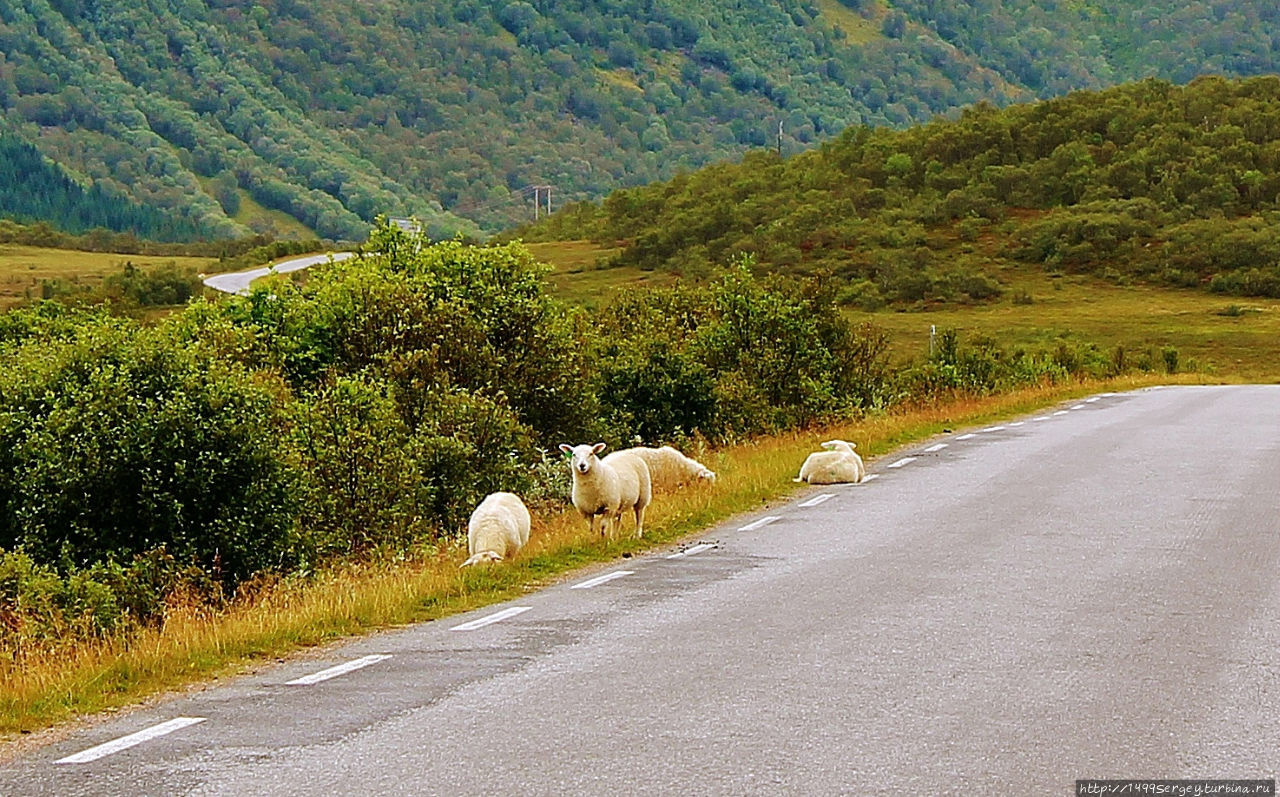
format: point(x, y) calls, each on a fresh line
point(238, 281)
point(1090, 592)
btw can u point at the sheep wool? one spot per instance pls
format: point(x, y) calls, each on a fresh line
point(498, 528)
point(606, 487)
point(839, 464)
point(669, 468)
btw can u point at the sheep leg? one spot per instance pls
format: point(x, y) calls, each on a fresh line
point(639, 522)
point(591, 521)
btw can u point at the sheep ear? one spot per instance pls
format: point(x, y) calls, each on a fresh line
point(567, 449)
point(829, 444)
point(598, 447)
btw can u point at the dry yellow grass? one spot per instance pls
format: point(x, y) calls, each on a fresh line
point(198, 645)
point(23, 268)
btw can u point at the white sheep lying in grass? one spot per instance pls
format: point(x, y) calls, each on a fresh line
point(608, 486)
point(669, 469)
point(836, 465)
point(498, 528)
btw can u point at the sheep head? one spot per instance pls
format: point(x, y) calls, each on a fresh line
point(839, 445)
point(583, 458)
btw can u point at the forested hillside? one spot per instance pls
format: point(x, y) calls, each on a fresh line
point(1179, 185)
point(34, 190)
point(335, 111)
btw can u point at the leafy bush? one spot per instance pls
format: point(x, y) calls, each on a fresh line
point(118, 441)
point(167, 284)
point(735, 356)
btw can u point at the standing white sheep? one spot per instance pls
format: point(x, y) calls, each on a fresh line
point(669, 469)
point(608, 486)
point(838, 464)
point(498, 528)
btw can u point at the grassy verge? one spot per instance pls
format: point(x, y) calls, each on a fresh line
point(197, 645)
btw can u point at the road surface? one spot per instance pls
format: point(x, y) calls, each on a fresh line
point(238, 281)
point(1089, 592)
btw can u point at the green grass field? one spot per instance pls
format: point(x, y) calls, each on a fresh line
point(1225, 337)
point(579, 278)
point(23, 268)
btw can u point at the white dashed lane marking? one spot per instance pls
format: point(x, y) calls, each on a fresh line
point(1078, 407)
point(699, 548)
point(496, 617)
point(870, 477)
point(933, 448)
point(125, 742)
point(818, 499)
point(764, 521)
point(904, 461)
point(966, 436)
point(1019, 423)
point(993, 429)
point(605, 579)
point(1090, 400)
point(1060, 412)
point(334, 672)
point(1042, 418)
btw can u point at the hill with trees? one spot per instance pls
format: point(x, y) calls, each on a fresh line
point(220, 112)
point(1178, 185)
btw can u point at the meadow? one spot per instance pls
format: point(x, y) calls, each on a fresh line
point(25, 270)
point(1223, 337)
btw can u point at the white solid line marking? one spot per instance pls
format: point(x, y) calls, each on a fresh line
point(993, 429)
point(966, 436)
point(125, 742)
point(335, 671)
point(598, 580)
point(817, 499)
point(1019, 423)
point(901, 462)
point(764, 521)
point(1078, 407)
point(869, 477)
point(1060, 412)
point(934, 448)
point(699, 548)
point(1090, 400)
point(496, 617)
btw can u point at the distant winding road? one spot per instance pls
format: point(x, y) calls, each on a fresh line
point(238, 281)
point(1089, 592)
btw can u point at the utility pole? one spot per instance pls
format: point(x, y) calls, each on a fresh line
point(538, 191)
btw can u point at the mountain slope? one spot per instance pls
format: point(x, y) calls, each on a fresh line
point(1179, 185)
point(335, 111)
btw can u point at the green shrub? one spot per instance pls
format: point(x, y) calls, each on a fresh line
point(121, 440)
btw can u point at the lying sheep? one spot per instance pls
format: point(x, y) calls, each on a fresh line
point(498, 528)
point(836, 465)
point(669, 469)
point(608, 486)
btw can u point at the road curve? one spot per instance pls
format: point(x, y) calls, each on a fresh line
point(238, 281)
point(1089, 592)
